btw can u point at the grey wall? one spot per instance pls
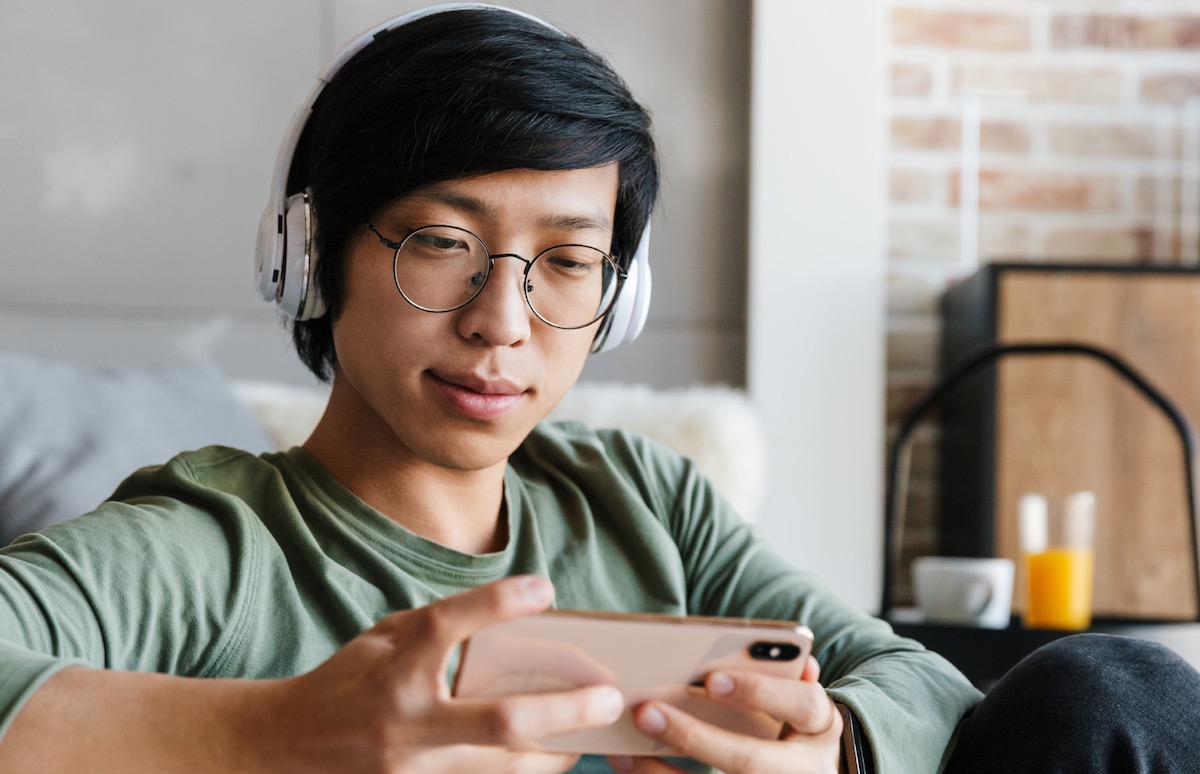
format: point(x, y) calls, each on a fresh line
point(137, 139)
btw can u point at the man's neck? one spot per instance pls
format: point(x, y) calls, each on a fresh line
point(460, 509)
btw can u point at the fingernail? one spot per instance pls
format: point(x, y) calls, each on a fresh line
point(651, 721)
point(720, 684)
point(537, 590)
point(620, 762)
point(613, 703)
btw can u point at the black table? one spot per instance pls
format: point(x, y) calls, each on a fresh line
point(984, 655)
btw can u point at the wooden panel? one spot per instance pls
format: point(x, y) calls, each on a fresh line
point(1071, 423)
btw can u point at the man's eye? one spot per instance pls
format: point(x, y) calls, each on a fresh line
point(436, 242)
point(569, 264)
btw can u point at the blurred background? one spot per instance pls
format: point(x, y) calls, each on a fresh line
point(831, 169)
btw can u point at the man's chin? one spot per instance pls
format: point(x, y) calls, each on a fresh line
point(474, 454)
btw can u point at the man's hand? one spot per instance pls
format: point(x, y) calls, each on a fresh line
point(382, 703)
point(810, 742)
point(379, 704)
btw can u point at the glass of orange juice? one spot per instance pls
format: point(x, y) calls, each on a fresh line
point(1059, 561)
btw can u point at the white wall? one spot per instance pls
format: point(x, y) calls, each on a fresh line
point(817, 282)
point(136, 140)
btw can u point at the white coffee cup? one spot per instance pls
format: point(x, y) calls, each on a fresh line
point(963, 590)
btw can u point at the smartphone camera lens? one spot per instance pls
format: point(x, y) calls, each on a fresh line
point(774, 651)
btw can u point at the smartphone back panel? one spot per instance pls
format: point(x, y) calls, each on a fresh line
point(644, 656)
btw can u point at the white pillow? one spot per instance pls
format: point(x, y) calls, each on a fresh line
point(717, 427)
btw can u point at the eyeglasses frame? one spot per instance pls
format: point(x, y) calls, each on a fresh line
point(395, 245)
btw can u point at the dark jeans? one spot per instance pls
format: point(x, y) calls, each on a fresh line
point(1087, 703)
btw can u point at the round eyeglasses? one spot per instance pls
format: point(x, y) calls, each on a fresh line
point(443, 268)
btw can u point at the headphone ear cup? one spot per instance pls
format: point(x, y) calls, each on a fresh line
point(298, 296)
point(628, 315)
point(268, 265)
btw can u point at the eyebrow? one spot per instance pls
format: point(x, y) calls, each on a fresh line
point(473, 206)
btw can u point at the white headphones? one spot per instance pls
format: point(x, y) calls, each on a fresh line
point(285, 257)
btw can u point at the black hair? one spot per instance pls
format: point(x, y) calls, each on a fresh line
point(453, 95)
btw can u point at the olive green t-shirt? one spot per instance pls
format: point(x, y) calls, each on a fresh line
point(223, 564)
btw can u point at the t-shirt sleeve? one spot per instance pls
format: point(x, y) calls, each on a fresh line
point(908, 699)
point(130, 586)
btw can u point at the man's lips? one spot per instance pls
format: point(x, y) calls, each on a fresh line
point(477, 397)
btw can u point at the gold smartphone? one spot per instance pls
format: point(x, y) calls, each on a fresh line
point(645, 656)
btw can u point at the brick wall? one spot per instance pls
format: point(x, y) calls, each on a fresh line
point(1088, 131)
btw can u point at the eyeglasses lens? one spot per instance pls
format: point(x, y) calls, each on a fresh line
point(441, 268)
point(571, 286)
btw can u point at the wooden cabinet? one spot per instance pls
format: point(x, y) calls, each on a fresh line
point(1058, 424)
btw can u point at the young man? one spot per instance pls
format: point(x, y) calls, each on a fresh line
point(479, 186)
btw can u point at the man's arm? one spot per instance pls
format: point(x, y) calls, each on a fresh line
point(94, 720)
point(908, 700)
point(380, 701)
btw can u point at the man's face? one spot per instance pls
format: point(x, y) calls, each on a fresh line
point(462, 389)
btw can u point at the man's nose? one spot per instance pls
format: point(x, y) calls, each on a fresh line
point(500, 315)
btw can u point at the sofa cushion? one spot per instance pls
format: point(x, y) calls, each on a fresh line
point(69, 434)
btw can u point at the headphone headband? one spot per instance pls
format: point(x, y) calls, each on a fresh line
point(291, 137)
